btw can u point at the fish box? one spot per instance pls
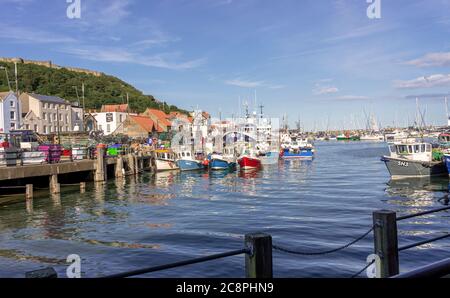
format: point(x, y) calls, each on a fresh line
point(34, 158)
point(79, 153)
point(52, 152)
point(9, 157)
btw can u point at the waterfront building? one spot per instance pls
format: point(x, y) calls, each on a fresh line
point(46, 114)
point(138, 127)
point(10, 112)
point(111, 117)
point(160, 118)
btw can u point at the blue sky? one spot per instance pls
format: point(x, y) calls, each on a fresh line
point(314, 60)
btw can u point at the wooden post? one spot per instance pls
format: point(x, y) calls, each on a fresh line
point(386, 242)
point(82, 187)
point(29, 192)
point(119, 167)
point(55, 188)
point(100, 169)
point(131, 164)
point(258, 264)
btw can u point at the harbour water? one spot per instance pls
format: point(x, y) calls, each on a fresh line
point(167, 217)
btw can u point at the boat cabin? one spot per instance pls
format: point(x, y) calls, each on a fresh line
point(165, 155)
point(412, 151)
point(185, 155)
point(444, 138)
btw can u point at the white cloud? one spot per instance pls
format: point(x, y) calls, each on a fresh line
point(436, 80)
point(325, 90)
point(24, 35)
point(351, 97)
point(120, 55)
point(432, 59)
point(244, 84)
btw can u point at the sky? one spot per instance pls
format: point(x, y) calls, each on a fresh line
point(324, 63)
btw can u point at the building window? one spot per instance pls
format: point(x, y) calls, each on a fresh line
point(12, 104)
point(67, 118)
point(100, 128)
point(108, 128)
point(12, 115)
point(67, 128)
point(54, 117)
point(36, 129)
point(60, 117)
point(44, 115)
point(27, 126)
point(13, 126)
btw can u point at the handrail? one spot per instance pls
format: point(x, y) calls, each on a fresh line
point(180, 264)
point(422, 213)
point(423, 242)
point(434, 270)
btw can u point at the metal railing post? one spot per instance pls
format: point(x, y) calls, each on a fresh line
point(386, 242)
point(258, 263)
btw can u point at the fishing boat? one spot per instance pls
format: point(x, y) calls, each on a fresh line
point(186, 161)
point(372, 138)
point(413, 159)
point(165, 160)
point(348, 137)
point(218, 162)
point(249, 160)
point(298, 150)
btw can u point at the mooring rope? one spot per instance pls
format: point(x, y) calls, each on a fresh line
point(324, 252)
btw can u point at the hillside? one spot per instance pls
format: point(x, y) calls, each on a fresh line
point(99, 89)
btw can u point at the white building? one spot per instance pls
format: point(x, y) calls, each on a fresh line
point(108, 122)
point(10, 112)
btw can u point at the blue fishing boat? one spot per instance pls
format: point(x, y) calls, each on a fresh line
point(218, 162)
point(301, 153)
point(187, 163)
point(298, 150)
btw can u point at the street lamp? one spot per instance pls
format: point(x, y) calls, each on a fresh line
point(7, 77)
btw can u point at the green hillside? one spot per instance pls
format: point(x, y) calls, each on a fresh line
point(98, 90)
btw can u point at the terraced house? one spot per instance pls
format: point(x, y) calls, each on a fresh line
point(46, 114)
point(9, 112)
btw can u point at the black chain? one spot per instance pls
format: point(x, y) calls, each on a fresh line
point(315, 253)
point(362, 270)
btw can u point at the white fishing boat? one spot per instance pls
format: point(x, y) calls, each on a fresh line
point(165, 160)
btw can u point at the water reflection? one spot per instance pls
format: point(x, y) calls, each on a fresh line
point(418, 194)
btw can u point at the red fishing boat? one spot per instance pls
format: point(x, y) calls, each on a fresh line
point(247, 162)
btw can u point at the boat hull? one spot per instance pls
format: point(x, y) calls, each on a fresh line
point(165, 165)
point(303, 154)
point(189, 165)
point(402, 168)
point(221, 164)
point(248, 163)
point(446, 160)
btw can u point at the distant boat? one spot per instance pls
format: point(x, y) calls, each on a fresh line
point(372, 138)
point(413, 159)
point(165, 160)
point(297, 150)
point(348, 137)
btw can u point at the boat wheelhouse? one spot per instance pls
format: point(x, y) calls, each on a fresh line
point(186, 161)
point(165, 160)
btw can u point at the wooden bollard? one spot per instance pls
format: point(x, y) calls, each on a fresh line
point(258, 264)
point(119, 172)
point(29, 192)
point(100, 167)
point(82, 187)
point(55, 188)
point(386, 241)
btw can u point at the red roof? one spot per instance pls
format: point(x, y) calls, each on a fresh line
point(146, 123)
point(115, 108)
point(162, 117)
